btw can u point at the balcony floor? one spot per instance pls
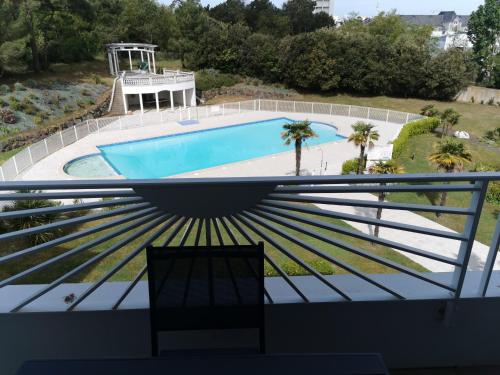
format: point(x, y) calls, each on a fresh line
point(486, 370)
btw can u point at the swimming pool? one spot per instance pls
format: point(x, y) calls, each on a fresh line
point(181, 153)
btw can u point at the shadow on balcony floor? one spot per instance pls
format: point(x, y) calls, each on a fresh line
point(486, 370)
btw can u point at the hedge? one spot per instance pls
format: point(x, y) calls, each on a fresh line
point(417, 127)
point(349, 166)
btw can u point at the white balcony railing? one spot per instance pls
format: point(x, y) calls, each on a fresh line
point(168, 77)
point(294, 217)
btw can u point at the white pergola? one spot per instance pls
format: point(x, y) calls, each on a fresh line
point(147, 52)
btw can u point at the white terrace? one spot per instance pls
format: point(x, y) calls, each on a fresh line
point(138, 86)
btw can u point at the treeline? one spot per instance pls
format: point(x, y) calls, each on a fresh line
point(289, 44)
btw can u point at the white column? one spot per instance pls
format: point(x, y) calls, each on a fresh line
point(157, 102)
point(125, 103)
point(130, 59)
point(154, 63)
point(149, 63)
point(172, 99)
point(184, 98)
point(117, 62)
point(111, 67)
point(141, 104)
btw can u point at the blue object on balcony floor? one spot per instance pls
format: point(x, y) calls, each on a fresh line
point(188, 122)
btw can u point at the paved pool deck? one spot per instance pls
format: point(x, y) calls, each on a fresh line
point(325, 159)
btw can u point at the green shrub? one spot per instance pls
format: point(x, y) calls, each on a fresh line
point(80, 103)
point(85, 92)
point(31, 83)
point(493, 193)
point(350, 166)
point(4, 89)
point(97, 80)
point(417, 127)
point(15, 104)
point(91, 101)
point(493, 135)
point(212, 79)
point(18, 86)
point(32, 96)
point(293, 269)
point(491, 101)
point(67, 108)
point(38, 120)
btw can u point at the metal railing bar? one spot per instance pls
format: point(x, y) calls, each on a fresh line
point(187, 232)
point(345, 246)
point(74, 236)
point(234, 240)
point(198, 232)
point(217, 231)
point(362, 219)
point(208, 233)
point(490, 261)
point(292, 256)
point(67, 208)
point(325, 256)
point(72, 221)
point(174, 233)
point(360, 235)
point(247, 262)
point(470, 229)
point(67, 195)
point(272, 181)
point(110, 250)
point(372, 188)
point(370, 204)
point(136, 251)
point(283, 274)
point(76, 250)
point(129, 288)
point(243, 233)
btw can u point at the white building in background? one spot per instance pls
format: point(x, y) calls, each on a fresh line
point(326, 6)
point(450, 29)
point(139, 85)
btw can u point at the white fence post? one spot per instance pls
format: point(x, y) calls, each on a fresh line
point(387, 117)
point(223, 109)
point(294, 106)
point(88, 126)
point(368, 114)
point(31, 156)
point(239, 107)
point(1, 174)
point(259, 104)
point(46, 146)
point(97, 124)
point(349, 114)
point(407, 118)
point(15, 165)
point(76, 134)
point(62, 140)
point(276, 106)
point(331, 109)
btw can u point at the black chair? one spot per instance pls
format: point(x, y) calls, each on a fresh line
point(206, 288)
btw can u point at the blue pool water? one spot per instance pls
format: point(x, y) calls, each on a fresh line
point(180, 153)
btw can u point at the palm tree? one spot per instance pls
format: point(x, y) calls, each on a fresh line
point(363, 136)
point(450, 156)
point(297, 132)
point(384, 167)
point(429, 111)
point(26, 222)
point(449, 118)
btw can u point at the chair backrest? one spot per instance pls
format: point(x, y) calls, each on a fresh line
point(206, 288)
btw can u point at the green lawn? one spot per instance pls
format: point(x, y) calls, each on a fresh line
point(421, 146)
point(128, 272)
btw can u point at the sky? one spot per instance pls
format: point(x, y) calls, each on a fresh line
point(369, 7)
